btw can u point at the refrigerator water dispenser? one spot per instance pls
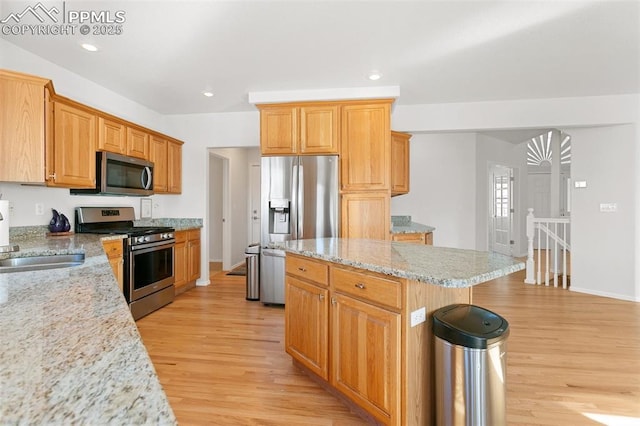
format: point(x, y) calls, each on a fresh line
point(279, 222)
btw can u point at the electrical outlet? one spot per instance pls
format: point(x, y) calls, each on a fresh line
point(11, 209)
point(39, 209)
point(418, 316)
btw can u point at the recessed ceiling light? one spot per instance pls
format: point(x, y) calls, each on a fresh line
point(208, 94)
point(374, 75)
point(89, 47)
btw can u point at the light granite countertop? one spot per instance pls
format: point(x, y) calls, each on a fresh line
point(71, 352)
point(404, 225)
point(179, 224)
point(446, 267)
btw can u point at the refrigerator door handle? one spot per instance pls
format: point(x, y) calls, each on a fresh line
point(293, 213)
point(300, 205)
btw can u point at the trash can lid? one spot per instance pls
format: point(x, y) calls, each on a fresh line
point(470, 326)
point(253, 249)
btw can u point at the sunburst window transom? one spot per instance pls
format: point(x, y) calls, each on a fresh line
point(539, 152)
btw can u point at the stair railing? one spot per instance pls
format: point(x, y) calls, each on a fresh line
point(552, 237)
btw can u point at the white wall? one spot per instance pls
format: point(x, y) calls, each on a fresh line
point(442, 191)
point(604, 251)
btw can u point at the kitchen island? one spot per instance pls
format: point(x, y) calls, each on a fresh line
point(358, 317)
point(71, 352)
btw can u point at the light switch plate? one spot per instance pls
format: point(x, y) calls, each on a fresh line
point(418, 316)
point(608, 207)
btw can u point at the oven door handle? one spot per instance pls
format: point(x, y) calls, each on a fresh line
point(146, 183)
point(153, 246)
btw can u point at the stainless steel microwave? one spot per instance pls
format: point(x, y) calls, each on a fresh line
point(120, 175)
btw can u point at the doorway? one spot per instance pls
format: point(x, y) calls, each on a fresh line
point(218, 206)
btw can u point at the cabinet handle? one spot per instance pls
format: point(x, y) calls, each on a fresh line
point(302, 269)
point(321, 297)
point(333, 300)
point(52, 176)
point(361, 286)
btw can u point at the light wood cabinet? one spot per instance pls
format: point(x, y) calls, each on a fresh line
point(414, 237)
point(186, 259)
point(166, 155)
point(377, 357)
point(308, 128)
point(22, 127)
point(137, 143)
point(72, 158)
point(399, 163)
point(193, 254)
point(366, 356)
point(307, 303)
point(114, 251)
point(158, 155)
point(112, 136)
point(174, 167)
point(365, 215)
point(365, 146)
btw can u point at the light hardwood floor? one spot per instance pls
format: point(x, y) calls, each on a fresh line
point(573, 359)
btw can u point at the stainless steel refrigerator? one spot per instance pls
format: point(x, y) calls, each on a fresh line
point(299, 200)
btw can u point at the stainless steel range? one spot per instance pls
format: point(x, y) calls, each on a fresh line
point(148, 255)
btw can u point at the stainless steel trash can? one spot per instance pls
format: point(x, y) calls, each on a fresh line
point(252, 255)
point(470, 366)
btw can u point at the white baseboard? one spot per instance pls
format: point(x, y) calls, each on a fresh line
point(605, 294)
point(238, 264)
point(215, 260)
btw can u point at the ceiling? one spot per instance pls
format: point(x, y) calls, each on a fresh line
point(436, 51)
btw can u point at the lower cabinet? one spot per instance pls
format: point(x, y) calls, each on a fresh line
point(186, 259)
point(366, 356)
point(114, 252)
point(351, 328)
point(306, 303)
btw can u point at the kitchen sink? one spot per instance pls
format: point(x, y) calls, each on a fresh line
point(37, 263)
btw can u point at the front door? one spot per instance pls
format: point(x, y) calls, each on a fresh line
point(254, 203)
point(502, 211)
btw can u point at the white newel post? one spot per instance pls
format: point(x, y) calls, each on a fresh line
point(530, 277)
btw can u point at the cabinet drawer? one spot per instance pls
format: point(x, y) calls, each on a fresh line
point(417, 238)
point(305, 268)
point(379, 290)
point(113, 249)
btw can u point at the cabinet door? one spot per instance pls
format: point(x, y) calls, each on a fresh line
point(112, 136)
point(174, 168)
point(117, 267)
point(193, 253)
point(279, 130)
point(74, 147)
point(306, 311)
point(399, 163)
point(137, 143)
point(180, 259)
point(365, 215)
point(366, 356)
point(319, 129)
point(158, 156)
point(22, 129)
point(365, 147)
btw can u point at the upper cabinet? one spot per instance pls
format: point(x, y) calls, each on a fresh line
point(399, 163)
point(112, 136)
point(47, 138)
point(137, 143)
point(166, 156)
point(72, 153)
point(291, 129)
point(365, 153)
point(174, 167)
point(22, 127)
